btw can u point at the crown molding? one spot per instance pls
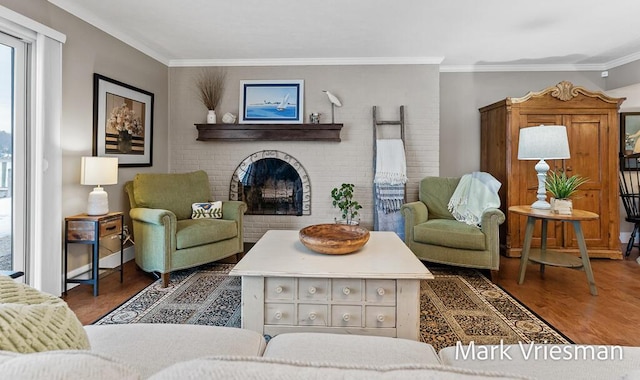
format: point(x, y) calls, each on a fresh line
point(308, 61)
point(541, 67)
point(71, 6)
point(514, 68)
point(622, 61)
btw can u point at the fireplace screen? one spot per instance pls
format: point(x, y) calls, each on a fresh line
point(271, 182)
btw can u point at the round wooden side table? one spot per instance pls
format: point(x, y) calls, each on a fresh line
point(543, 256)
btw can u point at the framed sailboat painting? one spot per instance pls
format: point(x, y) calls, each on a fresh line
point(271, 101)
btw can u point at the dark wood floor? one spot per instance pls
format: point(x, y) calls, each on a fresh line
point(112, 293)
point(560, 296)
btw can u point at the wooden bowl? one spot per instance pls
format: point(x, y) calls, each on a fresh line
point(334, 239)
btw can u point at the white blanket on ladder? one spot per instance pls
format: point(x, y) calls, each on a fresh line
point(391, 165)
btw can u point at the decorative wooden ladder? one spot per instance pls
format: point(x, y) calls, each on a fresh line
point(376, 123)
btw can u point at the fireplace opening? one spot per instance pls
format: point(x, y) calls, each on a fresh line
point(271, 183)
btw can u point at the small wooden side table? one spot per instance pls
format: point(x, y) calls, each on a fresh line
point(549, 257)
point(89, 229)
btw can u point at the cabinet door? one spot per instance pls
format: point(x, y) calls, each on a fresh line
point(589, 139)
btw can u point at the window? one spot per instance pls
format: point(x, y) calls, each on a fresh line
point(13, 114)
point(36, 153)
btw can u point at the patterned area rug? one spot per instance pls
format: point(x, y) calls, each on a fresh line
point(458, 305)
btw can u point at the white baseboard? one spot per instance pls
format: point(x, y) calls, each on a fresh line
point(111, 261)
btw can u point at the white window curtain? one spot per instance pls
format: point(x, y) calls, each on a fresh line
point(44, 160)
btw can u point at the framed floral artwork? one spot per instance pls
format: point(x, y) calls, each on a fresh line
point(123, 122)
point(271, 101)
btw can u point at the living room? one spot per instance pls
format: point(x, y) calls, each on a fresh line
point(441, 108)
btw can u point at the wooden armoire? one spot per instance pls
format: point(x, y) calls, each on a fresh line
point(591, 119)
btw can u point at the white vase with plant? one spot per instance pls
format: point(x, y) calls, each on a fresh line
point(210, 84)
point(562, 188)
point(343, 199)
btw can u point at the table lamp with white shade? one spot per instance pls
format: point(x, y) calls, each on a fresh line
point(98, 171)
point(540, 143)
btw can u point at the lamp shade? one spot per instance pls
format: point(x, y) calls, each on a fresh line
point(99, 171)
point(543, 142)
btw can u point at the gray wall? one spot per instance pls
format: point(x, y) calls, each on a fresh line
point(87, 51)
point(623, 76)
point(462, 94)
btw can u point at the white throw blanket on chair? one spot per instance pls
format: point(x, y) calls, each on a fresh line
point(391, 165)
point(475, 193)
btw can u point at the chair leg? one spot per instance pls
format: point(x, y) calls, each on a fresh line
point(632, 239)
point(165, 279)
point(494, 276)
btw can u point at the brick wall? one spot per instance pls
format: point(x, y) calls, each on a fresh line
point(328, 163)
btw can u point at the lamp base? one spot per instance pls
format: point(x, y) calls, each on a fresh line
point(541, 205)
point(98, 203)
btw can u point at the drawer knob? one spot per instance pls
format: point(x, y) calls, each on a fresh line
point(279, 289)
point(346, 291)
point(380, 291)
point(278, 315)
point(312, 290)
point(346, 317)
point(312, 316)
point(380, 318)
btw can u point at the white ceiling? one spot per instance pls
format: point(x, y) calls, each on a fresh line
point(462, 35)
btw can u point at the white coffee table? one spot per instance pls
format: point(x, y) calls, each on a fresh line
point(288, 288)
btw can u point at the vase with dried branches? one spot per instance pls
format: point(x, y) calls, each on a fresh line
point(210, 85)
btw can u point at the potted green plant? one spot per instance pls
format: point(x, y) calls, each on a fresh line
point(343, 199)
point(562, 188)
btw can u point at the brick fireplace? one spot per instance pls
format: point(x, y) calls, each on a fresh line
point(327, 163)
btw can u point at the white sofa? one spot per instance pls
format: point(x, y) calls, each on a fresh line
point(163, 351)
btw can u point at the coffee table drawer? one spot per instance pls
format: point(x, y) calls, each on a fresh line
point(380, 316)
point(381, 291)
point(346, 316)
point(278, 288)
point(312, 315)
point(346, 289)
point(313, 289)
point(279, 314)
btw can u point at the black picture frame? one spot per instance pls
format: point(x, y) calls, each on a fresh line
point(629, 141)
point(123, 122)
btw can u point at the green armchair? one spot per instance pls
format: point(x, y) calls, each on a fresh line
point(433, 234)
point(166, 238)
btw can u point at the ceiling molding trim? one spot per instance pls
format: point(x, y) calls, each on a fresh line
point(308, 61)
point(510, 68)
point(622, 61)
point(71, 7)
